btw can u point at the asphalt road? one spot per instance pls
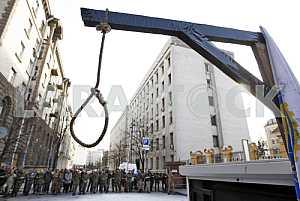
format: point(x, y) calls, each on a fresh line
point(103, 197)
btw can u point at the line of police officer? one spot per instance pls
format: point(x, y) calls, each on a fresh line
point(80, 182)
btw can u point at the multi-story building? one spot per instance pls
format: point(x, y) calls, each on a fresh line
point(274, 139)
point(31, 64)
point(94, 157)
point(66, 153)
point(183, 104)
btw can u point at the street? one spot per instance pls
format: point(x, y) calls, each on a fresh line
point(104, 197)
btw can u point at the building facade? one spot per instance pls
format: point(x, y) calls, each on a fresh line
point(94, 157)
point(184, 104)
point(34, 88)
point(274, 140)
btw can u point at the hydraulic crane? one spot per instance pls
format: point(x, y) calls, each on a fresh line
point(199, 37)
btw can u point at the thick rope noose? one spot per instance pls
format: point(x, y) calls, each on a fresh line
point(104, 28)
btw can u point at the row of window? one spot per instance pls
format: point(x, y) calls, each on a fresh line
point(150, 82)
point(157, 163)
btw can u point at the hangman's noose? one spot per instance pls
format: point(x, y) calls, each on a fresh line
point(104, 28)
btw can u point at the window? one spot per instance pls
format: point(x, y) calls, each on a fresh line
point(169, 61)
point(172, 140)
point(22, 50)
point(29, 68)
point(157, 143)
point(162, 86)
point(151, 163)
point(172, 158)
point(209, 84)
point(151, 127)
point(170, 98)
point(162, 69)
point(28, 31)
point(12, 75)
point(157, 163)
point(171, 117)
point(215, 141)
point(156, 77)
point(152, 98)
point(152, 113)
point(157, 93)
point(163, 104)
point(164, 142)
point(157, 125)
point(170, 79)
point(157, 110)
point(207, 67)
point(163, 121)
point(42, 27)
point(213, 120)
point(211, 100)
point(37, 6)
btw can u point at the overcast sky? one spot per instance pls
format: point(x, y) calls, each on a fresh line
point(129, 55)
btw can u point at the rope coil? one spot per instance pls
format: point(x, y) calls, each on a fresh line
point(104, 27)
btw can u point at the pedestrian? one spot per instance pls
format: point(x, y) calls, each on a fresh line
point(56, 182)
point(95, 179)
point(75, 181)
point(3, 178)
point(67, 179)
point(118, 178)
point(9, 182)
point(164, 182)
point(156, 182)
point(101, 182)
point(171, 183)
point(106, 180)
point(130, 181)
point(140, 181)
point(18, 182)
point(147, 182)
point(84, 182)
point(38, 182)
point(29, 179)
point(47, 181)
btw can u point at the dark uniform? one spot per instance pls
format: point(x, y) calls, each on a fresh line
point(18, 182)
point(118, 178)
point(84, 182)
point(29, 179)
point(157, 182)
point(95, 179)
point(130, 181)
point(47, 181)
point(38, 182)
point(75, 181)
point(56, 182)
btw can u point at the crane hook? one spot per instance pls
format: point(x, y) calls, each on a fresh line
point(104, 27)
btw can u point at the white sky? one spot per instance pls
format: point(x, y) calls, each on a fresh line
point(129, 55)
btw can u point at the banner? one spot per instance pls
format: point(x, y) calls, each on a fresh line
point(289, 100)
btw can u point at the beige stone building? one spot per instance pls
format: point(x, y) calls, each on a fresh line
point(34, 88)
point(275, 142)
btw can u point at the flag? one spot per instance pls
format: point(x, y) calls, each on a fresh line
point(289, 101)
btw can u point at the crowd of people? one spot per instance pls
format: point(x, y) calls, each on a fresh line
point(80, 182)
